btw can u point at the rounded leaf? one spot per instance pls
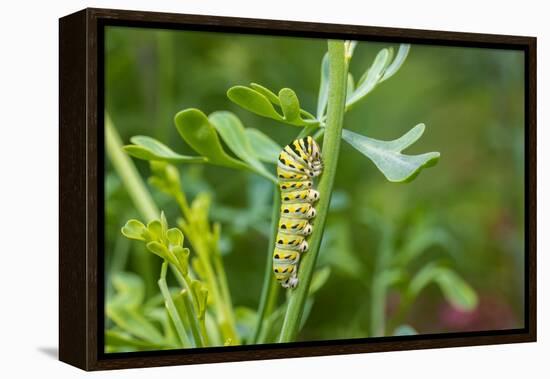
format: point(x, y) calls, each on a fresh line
point(233, 133)
point(290, 106)
point(266, 92)
point(160, 250)
point(155, 230)
point(175, 237)
point(150, 149)
point(253, 101)
point(134, 229)
point(197, 131)
point(182, 257)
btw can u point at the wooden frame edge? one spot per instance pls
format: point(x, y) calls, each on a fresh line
point(79, 164)
point(73, 284)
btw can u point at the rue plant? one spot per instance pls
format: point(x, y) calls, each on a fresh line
point(201, 310)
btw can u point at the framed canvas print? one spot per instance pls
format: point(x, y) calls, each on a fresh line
point(239, 189)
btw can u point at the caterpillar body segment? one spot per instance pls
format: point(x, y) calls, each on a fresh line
point(305, 196)
point(291, 242)
point(298, 210)
point(295, 226)
point(298, 163)
point(290, 186)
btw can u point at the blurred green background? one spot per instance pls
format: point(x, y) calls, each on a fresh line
point(468, 210)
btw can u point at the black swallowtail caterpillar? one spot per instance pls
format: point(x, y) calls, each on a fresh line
point(299, 163)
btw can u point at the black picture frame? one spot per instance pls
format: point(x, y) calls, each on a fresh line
point(81, 200)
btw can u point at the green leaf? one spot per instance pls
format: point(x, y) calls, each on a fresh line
point(135, 230)
point(265, 149)
point(387, 156)
point(163, 224)
point(371, 77)
point(150, 149)
point(195, 128)
point(290, 106)
point(182, 256)
point(402, 54)
point(350, 48)
point(155, 230)
point(253, 101)
point(160, 250)
point(422, 238)
point(261, 101)
point(233, 133)
point(201, 294)
point(135, 324)
point(175, 237)
point(323, 88)
point(404, 330)
point(350, 88)
point(389, 277)
point(455, 290)
point(121, 339)
point(267, 93)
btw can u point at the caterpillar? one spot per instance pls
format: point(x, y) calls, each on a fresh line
point(299, 162)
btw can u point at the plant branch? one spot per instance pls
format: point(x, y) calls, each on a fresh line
point(338, 72)
point(270, 287)
point(136, 189)
point(128, 173)
point(171, 307)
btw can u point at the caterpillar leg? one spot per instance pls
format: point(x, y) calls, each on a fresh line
point(291, 282)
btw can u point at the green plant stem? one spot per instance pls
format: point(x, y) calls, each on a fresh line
point(183, 204)
point(171, 307)
point(208, 253)
point(379, 286)
point(128, 173)
point(338, 71)
point(137, 191)
point(224, 311)
point(220, 271)
point(270, 287)
point(191, 306)
point(165, 82)
point(194, 323)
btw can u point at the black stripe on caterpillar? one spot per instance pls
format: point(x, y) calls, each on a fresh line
point(299, 162)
